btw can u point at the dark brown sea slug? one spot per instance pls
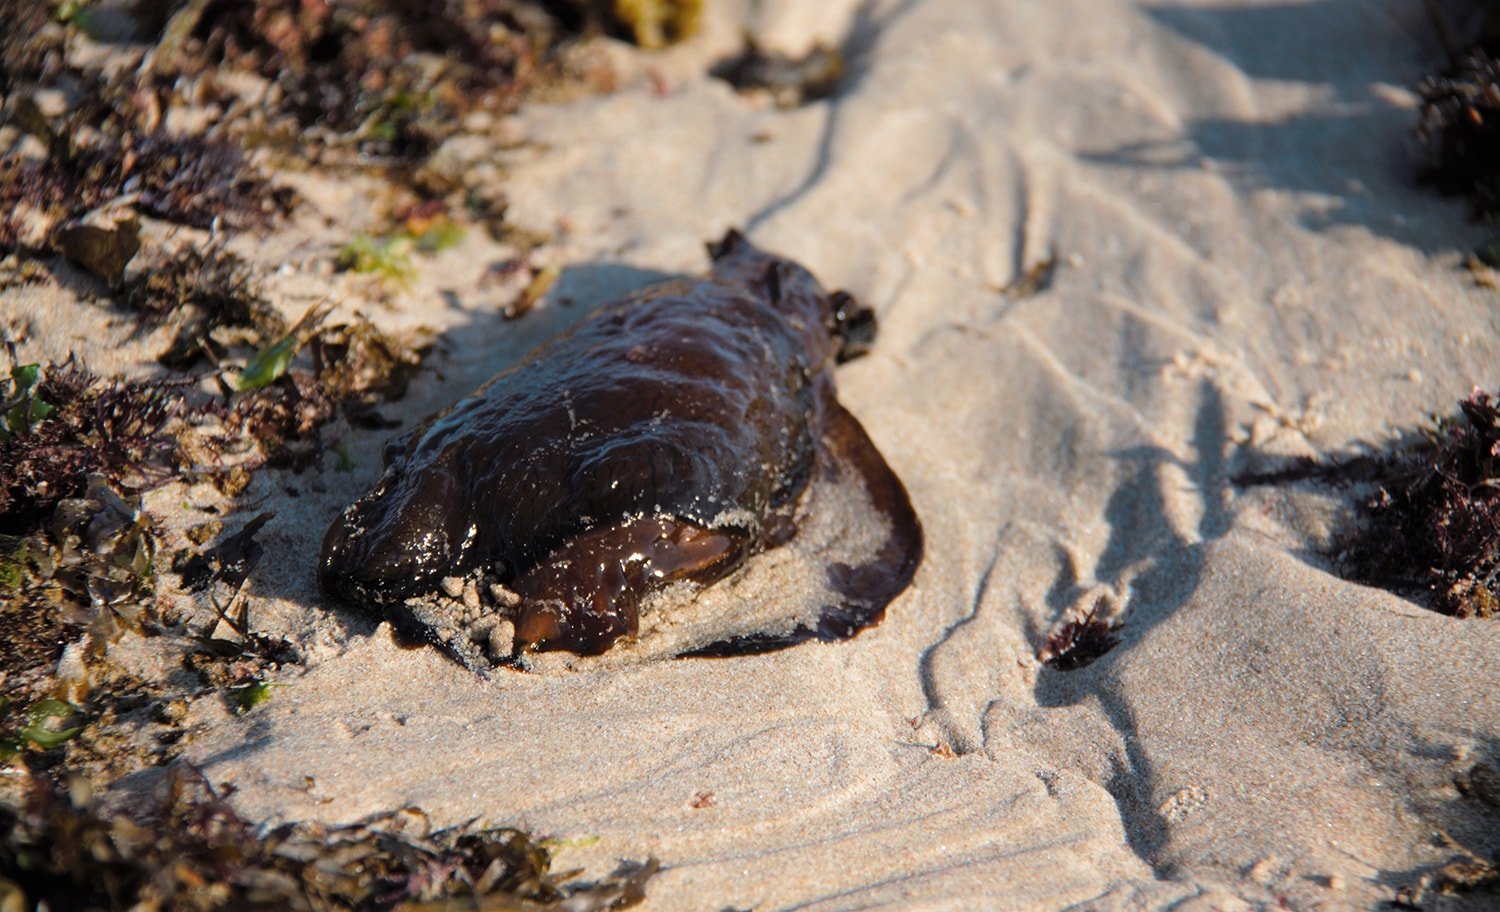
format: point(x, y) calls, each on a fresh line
point(666, 438)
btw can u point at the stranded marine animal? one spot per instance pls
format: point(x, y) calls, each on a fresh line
point(665, 439)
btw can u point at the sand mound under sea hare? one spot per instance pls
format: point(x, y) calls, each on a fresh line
point(675, 469)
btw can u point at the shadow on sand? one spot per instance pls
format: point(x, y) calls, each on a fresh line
point(1353, 156)
point(1142, 534)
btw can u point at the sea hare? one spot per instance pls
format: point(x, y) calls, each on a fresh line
point(658, 447)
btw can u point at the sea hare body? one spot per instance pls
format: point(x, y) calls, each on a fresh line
point(665, 440)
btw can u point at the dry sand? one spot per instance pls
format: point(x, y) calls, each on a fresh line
point(1246, 269)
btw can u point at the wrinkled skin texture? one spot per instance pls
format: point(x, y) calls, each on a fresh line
point(665, 438)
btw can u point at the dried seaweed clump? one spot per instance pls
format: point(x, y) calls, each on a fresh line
point(188, 180)
point(33, 42)
point(1433, 525)
point(355, 367)
point(212, 299)
point(1080, 641)
point(394, 77)
point(790, 82)
point(360, 366)
point(191, 851)
point(229, 655)
point(90, 568)
point(108, 140)
point(1460, 129)
point(61, 423)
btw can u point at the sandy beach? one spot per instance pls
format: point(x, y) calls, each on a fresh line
point(1246, 271)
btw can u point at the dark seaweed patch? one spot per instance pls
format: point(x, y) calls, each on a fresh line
point(61, 423)
point(394, 78)
point(1460, 131)
point(64, 423)
point(1431, 528)
point(189, 850)
point(209, 295)
point(354, 367)
point(106, 141)
point(1080, 641)
point(90, 567)
point(790, 81)
point(188, 180)
point(360, 365)
point(1459, 127)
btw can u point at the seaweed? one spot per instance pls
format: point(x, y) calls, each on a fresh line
point(1465, 873)
point(1432, 527)
point(32, 43)
point(108, 142)
point(283, 416)
point(1460, 131)
point(63, 423)
point(35, 728)
point(92, 567)
point(282, 408)
point(271, 363)
point(424, 228)
point(535, 289)
point(388, 257)
point(391, 78)
point(359, 365)
point(283, 419)
point(1080, 641)
point(189, 849)
point(60, 424)
point(36, 195)
point(17, 271)
point(248, 696)
point(35, 631)
point(237, 662)
point(125, 725)
point(210, 296)
point(790, 82)
point(1034, 280)
point(106, 551)
point(187, 180)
